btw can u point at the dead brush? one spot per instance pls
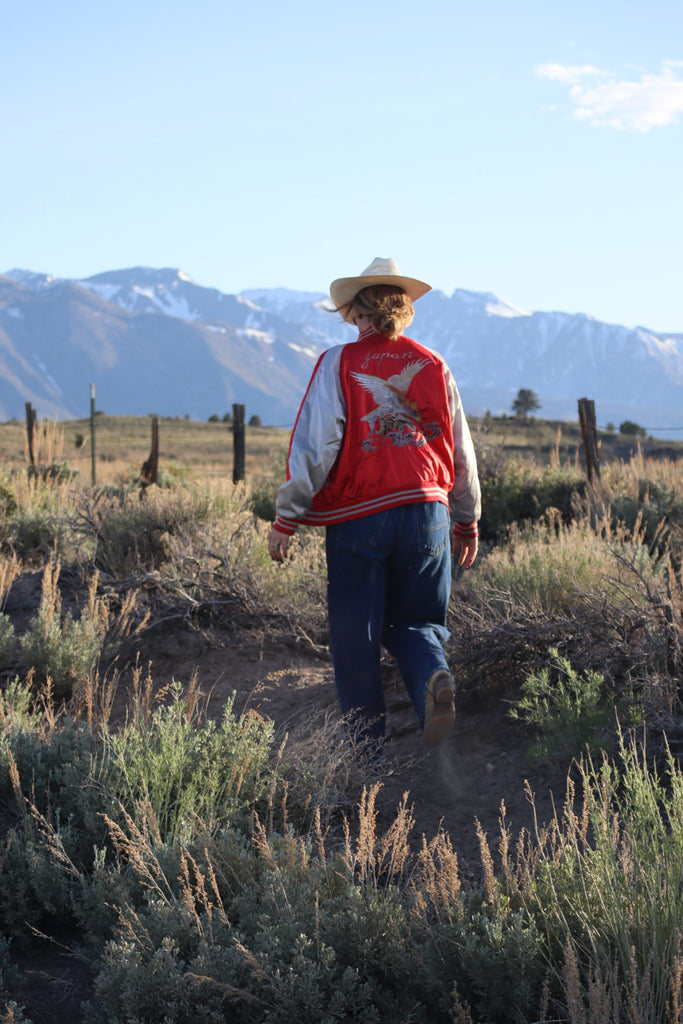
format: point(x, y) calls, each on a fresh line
point(435, 881)
point(377, 861)
point(11, 569)
point(590, 590)
point(315, 772)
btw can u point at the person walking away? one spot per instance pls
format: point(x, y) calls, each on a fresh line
point(381, 455)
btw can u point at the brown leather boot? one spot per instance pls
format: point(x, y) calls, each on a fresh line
point(439, 716)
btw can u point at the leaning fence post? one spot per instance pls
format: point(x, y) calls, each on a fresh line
point(589, 432)
point(239, 456)
point(92, 432)
point(30, 431)
point(150, 467)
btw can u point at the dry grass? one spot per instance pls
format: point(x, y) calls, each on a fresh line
point(187, 448)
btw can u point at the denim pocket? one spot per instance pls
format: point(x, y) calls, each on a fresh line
point(434, 527)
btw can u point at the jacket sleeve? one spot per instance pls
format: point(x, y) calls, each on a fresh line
point(315, 442)
point(465, 496)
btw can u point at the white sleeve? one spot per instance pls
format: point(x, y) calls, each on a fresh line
point(465, 497)
point(316, 440)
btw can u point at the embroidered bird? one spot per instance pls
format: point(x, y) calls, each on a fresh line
point(391, 394)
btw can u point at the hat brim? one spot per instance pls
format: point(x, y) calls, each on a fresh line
point(344, 289)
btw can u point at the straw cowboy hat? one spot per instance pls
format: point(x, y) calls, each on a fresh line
point(380, 271)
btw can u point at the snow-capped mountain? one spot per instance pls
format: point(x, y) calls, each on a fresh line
point(155, 341)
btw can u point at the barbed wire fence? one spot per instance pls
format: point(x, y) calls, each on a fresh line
point(235, 452)
point(44, 447)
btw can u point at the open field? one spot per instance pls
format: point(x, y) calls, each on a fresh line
point(195, 449)
point(122, 443)
point(186, 831)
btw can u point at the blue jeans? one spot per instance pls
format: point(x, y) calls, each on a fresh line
point(389, 582)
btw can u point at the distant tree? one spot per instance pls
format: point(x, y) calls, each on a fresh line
point(255, 421)
point(610, 428)
point(630, 429)
point(227, 418)
point(79, 440)
point(525, 402)
point(214, 418)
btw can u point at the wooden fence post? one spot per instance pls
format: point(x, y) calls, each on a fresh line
point(150, 468)
point(589, 432)
point(238, 444)
point(30, 431)
point(92, 432)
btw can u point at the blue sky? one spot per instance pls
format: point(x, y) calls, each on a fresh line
point(531, 149)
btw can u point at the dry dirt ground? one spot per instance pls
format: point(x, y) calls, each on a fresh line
point(481, 765)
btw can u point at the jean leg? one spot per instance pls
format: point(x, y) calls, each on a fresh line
point(356, 588)
point(418, 592)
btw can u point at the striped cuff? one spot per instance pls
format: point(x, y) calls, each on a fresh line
point(465, 531)
point(287, 526)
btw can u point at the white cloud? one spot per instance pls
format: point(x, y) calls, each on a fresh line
point(569, 74)
point(602, 99)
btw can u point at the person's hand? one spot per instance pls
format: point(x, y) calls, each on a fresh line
point(465, 551)
point(277, 545)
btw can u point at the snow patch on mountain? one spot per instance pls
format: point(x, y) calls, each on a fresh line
point(310, 352)
point(30, 279)
point(504, 309)
point(279, 300)
point(48, 376)
point(256, 335)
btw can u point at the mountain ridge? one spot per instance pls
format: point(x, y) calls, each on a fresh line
point(153, 340)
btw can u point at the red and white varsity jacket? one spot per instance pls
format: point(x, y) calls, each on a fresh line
point(381, 425)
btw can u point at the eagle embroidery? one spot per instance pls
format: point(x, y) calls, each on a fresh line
point(394, 416)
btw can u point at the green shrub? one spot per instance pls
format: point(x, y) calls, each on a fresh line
point(8, 641)
point(279, 937)
point(497, 962)
point(8, 497)
point(54, 473)
point(51, 819)
point(59, 647)
point(262, 502)
point(184, 772)
point(55, 774)
point(37, 531)
point(15, 707)
point(567, 711)
point(515, 490)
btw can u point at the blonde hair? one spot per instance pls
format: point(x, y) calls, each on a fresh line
point(387, 307)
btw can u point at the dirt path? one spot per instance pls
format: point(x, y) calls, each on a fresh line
point(482, 764)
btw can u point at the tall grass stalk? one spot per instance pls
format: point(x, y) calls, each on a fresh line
point(607, 882)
